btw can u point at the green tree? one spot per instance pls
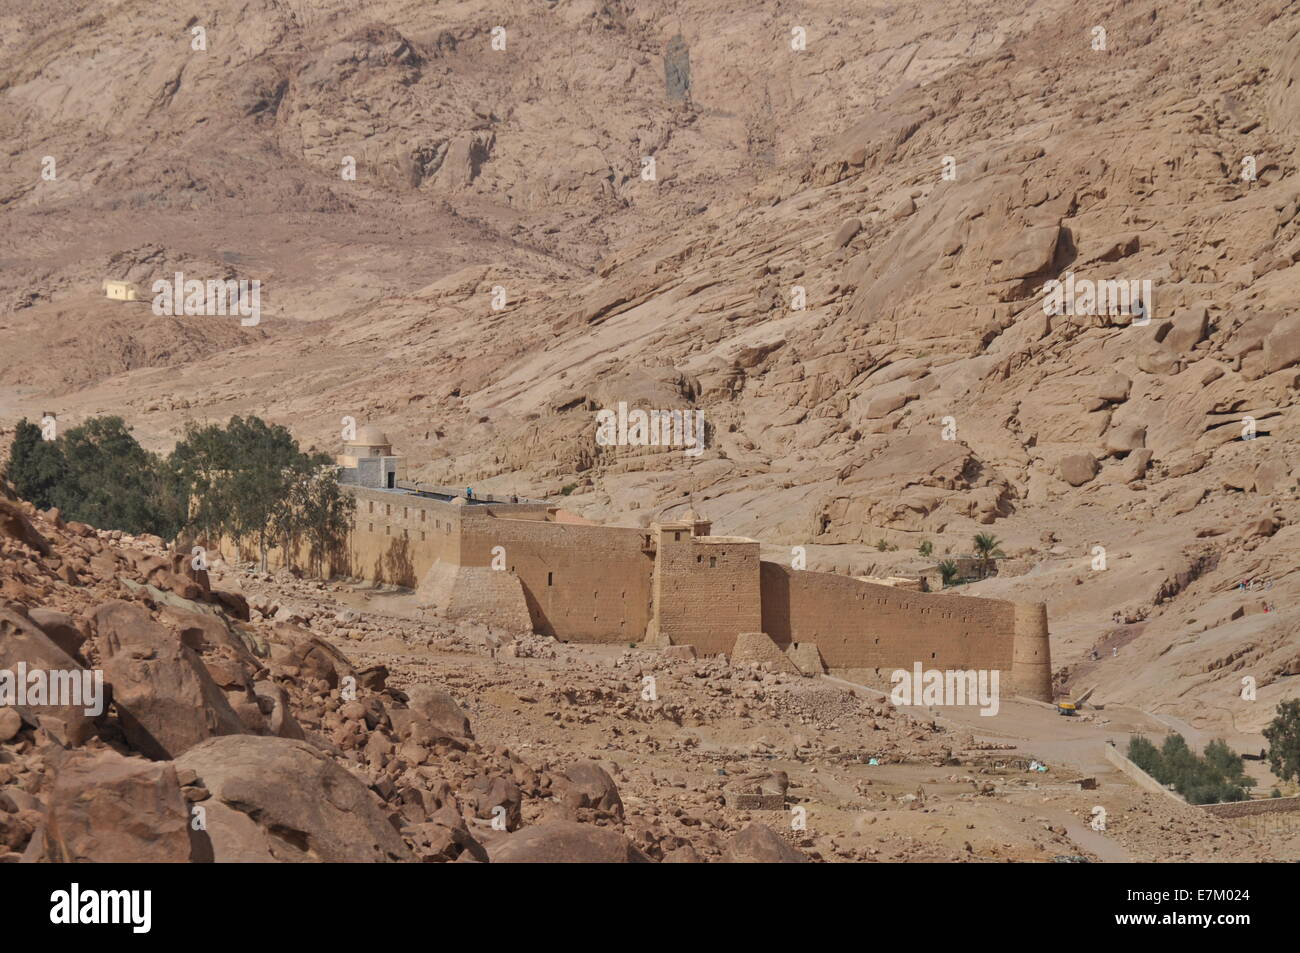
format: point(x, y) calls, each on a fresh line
point(948, 572)
point(987, 548)
point(255, 488)
point(1178, 762)
point(251, 482)
point(322, 512)
point(36, 466)
point(1145, 755)
point(1283, 735)
point(111, 481)
point(926, 548)
point(1226, 763)
point(196, 466)
point(1216, 776)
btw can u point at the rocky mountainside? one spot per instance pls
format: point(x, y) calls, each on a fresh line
point(246, 717)
point(841, 259)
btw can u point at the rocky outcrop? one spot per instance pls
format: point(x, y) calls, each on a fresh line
point(276, 799)
point(564, 842)
point(165, 696)
point(107, 808)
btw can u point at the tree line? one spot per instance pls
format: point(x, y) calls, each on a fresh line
point(248, 481)
point(1213, 777)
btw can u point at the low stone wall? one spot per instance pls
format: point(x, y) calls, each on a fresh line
point(1269, 805)
point(1228, 809)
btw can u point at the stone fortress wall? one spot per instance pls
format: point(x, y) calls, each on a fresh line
point(533, 564)
point(865, 626)
point(675, 584)
point(582, 583)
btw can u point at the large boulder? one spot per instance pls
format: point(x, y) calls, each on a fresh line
point(846, 232)
point(15, 524)
point(1282, 345)
point(1114, 387)
point(589, 785)
point(1187, 328)
point(105, 808)
point(1123, 440)
point(757, 844)
point(10, 724)
point(1078, 468)
point(206, 631)
point(440, 709)
point(312, 657)
point(1025, 252)
point(1272, 475)
point(22, 643)
point(1134, 466)
point(564, 842)
point(166, 699)
point(278, 799)
point(62, 630)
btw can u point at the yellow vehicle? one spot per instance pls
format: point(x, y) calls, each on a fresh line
point(1066, 708)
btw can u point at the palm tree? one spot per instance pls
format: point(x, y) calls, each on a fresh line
point(986, 547)
point(948, 571)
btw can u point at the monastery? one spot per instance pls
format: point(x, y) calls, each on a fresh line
point(532, 565)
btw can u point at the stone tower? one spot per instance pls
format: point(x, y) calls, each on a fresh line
point(705, 590)
point(1031, 652)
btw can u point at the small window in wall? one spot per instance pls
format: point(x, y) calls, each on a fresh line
point(550, 578)
point(388, 531)
point(932, 655)
point(372, 527)
point(392, 481)
point(372, 506)
point(406, 534)
point(423, 514)
point(421, 535)
point(406, 512)
point(699, 559)
point(677, 537)
point(713, 562)
point(388, 509)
